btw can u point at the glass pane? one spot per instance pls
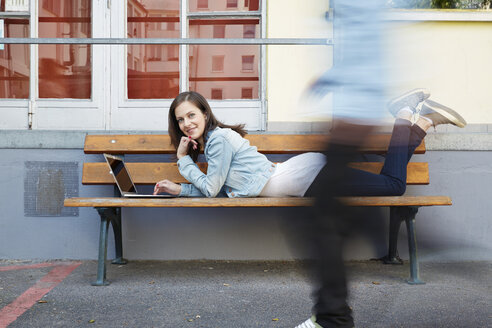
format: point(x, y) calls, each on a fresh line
point(65, 70)
point(14, 61)
point(224, 5)
point(153, 70)
point(228, 68)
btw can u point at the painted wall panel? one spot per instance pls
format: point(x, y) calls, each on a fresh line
point(457, 233)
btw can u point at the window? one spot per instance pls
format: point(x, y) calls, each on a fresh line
point(252, 5)
point(81, 86)
point(202, 4)
point(150, 77)
point(248, 63)
point(231, 3)
point(249, 31)
point(217, 63)
point(15, 68)
point(65, 70)
point(246, 93)
point(217, 94)
point(219, 31)
point(203, 77)
point(171, 26)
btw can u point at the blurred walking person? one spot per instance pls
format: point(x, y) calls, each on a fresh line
point(357, 81)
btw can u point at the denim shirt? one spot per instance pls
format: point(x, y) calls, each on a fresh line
point(234, 167)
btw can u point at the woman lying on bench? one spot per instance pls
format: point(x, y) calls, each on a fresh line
point(236, 169)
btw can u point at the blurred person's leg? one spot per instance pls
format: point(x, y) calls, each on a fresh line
point(328, 221)
point(357, 82)
point(327, 224)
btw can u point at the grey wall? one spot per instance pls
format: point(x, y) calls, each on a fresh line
point(457, 233)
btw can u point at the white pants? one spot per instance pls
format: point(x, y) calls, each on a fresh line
point(294, 176)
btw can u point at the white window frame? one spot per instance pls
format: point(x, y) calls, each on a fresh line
point(129, 114)
point(61, 114)
point(151, 114)
point(14, 113)
point(109, 108)
point(69, 114)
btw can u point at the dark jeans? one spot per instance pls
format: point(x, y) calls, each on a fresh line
point(328, 221)
point(392, 180)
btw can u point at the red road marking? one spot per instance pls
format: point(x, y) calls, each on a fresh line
point(27, 266)
point(24, 302)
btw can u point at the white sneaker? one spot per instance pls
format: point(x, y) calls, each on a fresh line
point(440, 114)
point(309, 323)
point(410, 99)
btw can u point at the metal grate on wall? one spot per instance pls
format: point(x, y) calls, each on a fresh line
point(47, 184)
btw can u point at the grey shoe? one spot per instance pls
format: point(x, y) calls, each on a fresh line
point(440, 114)
point(411, 99)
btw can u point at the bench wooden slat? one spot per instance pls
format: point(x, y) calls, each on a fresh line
point(270, 144)
point(141, 173)
point(399, 201)
point(150, 173)
point(417, 172)
point(253, 202)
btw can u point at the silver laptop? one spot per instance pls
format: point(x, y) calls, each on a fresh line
point(123, 180)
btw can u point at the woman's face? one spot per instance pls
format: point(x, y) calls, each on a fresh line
point(191, 120)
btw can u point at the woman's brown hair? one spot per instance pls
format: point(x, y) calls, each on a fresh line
point(211, 123)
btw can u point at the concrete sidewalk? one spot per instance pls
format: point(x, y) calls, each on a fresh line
point(243, 294)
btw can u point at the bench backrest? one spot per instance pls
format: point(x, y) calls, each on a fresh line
point(150, 173)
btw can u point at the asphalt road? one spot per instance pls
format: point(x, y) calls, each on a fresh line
point(236, 294)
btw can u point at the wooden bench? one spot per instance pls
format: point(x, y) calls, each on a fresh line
point(403, 208)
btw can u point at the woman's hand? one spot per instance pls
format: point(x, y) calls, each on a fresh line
point(184, 144)
point(167, 187)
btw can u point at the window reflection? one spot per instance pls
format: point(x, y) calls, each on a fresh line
point(232, 69)
point(249, 31)
point(65, 70)
point(14, 61)
point(224, 5)
point(153, 70)
point(219, 31)
point(216, 94)
point(247, 93)
point(202, 4)
point(231, 4)
point(248, 63)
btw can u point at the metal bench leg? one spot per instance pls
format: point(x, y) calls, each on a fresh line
point(396, 218)
point(103, 246)
point(412, 247)
point(116, 223)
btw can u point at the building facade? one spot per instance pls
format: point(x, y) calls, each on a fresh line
point(51, 96)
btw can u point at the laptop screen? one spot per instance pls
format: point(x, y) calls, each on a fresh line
point(121, 174)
